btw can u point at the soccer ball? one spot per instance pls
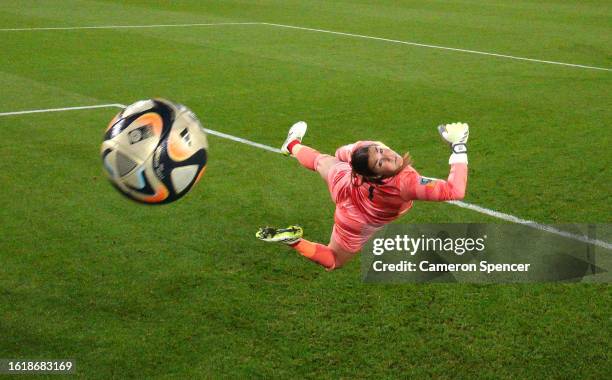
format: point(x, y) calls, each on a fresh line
point(154, 151)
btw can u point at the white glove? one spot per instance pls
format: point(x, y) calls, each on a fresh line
point(456, 134)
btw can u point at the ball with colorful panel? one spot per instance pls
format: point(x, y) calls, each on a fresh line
point(154, 151)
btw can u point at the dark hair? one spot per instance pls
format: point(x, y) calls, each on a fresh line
point(360, 162)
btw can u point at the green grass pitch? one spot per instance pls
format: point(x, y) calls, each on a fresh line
point(186, 291)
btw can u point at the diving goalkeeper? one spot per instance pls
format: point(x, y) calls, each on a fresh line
point(371, 186)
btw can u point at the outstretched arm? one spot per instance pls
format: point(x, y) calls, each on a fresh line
point(415, 186)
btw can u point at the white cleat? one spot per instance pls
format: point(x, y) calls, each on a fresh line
point(296, 132)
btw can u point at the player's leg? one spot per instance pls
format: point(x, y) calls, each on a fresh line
point(292, 236)
point(308, 157)
point(319, 253)
point(331, 256)
point(292, 146)
point(314, 160)
point(342, 256)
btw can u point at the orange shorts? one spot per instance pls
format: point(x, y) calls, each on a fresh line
point(351, 230)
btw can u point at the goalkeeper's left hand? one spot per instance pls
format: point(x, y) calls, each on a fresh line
point(456, 134)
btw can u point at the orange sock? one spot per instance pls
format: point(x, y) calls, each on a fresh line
point(319, 253)
point(307, 157)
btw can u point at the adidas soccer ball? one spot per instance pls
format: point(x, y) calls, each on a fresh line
point(154, 151)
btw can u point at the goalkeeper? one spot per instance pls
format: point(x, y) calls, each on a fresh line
point(371, 186)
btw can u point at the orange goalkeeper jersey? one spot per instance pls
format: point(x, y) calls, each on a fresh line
point(382, 203)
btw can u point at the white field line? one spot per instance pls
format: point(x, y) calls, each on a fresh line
point(241, 140)
point(228, 137)
point(532, 224)
point(315, 30)
point(439, 47)
point(125, 26)
point(60, 109)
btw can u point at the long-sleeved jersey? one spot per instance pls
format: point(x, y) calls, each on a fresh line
point(382, 203)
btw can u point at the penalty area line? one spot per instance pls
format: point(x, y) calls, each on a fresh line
point(125, 26)
point(241, 140)
point(430, 46)
point(231, 137)
point(25, 112)
point(345, 34)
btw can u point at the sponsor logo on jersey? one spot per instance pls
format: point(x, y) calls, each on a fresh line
point(426, 181)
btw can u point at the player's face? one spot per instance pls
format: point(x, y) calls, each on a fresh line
point(384, 161)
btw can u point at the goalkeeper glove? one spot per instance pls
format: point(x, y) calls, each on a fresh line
point(456, 135)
